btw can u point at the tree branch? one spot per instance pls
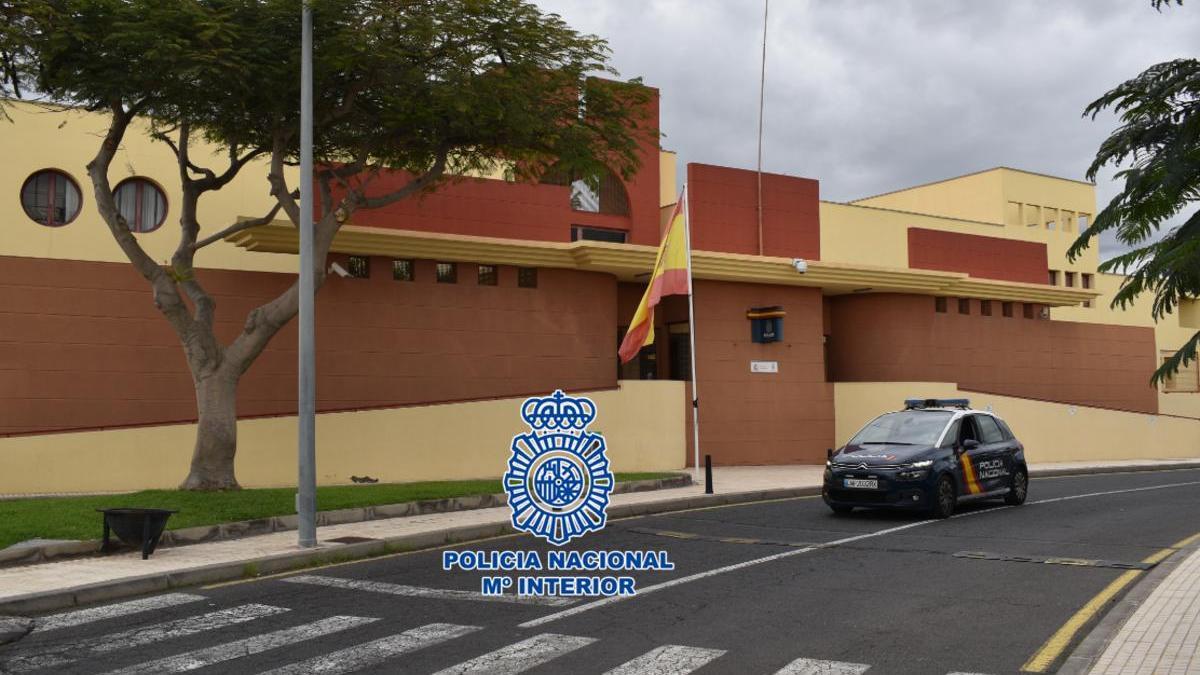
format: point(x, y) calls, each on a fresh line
point(279, 187)
point(416, 185)
point(238, 227)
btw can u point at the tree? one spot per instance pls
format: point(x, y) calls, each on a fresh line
point(1159, 141)
point(430, 88)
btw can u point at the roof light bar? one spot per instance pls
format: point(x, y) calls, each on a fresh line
point(921, 403)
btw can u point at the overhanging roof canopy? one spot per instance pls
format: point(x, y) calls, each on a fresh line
point(630, 262)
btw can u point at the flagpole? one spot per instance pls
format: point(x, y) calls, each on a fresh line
point(687, 222)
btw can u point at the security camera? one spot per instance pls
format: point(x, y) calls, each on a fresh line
point(339, 270)
point(800, 264)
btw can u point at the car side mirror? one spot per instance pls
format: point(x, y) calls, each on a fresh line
point(969, 444)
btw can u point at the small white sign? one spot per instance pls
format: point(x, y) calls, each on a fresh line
point(764, 366)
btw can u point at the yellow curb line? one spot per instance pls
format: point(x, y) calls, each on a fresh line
point(1053, 648)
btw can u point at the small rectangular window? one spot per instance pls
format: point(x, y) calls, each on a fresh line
point(939, 305)
point(1029, 311)
point(359, 266)
point(1087, 303)
point(1187, 379)
point(985, 307)
point(1006, 309)
point(402, 270)
point(964, 306)
point(527, 277)
point(1087, 280)
point(1069, 279)
point(1053, 277)
point(447, 273)
point(579, 232)
point(488, 275)
point(1082, 221)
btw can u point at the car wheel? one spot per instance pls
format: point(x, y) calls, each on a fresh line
point(1018, 490)
point(945, 497)
point(841, 510)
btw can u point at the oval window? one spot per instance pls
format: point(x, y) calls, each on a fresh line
point(141, 203)
point(51, 197)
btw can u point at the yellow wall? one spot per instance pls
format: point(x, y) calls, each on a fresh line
point(42, 138)
point(1051, 432)
point(977, 196)
point(642, 422)
point(668, 192)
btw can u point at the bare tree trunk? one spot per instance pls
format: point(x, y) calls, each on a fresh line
point(216, 434)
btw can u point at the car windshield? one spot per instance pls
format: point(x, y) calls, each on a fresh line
point(908, 428)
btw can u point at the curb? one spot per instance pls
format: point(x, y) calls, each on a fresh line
point(1089, 650)
point(1133, 468)
point(248, 528)
point(285, 562)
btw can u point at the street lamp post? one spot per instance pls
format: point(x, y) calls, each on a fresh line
point(306, 493)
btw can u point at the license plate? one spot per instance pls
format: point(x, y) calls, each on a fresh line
point(871, 484)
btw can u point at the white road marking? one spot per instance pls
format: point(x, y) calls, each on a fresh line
point(67, 652)
point(596, 604)
point(815, 667)
point(667, 660)
point(520, 656)
point(208, 656)
point(79, 617)
point(361, 657)
point(421, 592)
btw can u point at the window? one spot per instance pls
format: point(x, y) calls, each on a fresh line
point(1086, 280)
point(1082, 221)
point(909, 427)
point(579, 232)
point(1029, 311)
point(964, 306)
point(939, 305)
point(527, 277)
point(1186, 380)
point(1033, 215)
point(1069, 279)
point(597, 194)
point(680, 345)
point(447, 273)
point(50, 197)
point(402, 270)
point(359, 267)
point(950, 439)
point(1053, 277)
point(141, 203)
point(487, 275)
point(988, 429)
point(1006, 309)
point(985, 307)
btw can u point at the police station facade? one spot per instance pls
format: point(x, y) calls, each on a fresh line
point(460, 303)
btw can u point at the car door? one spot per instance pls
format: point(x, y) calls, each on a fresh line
point(993, 466)
point(969, 458)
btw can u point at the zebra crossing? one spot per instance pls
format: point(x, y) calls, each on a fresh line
point(65, 654)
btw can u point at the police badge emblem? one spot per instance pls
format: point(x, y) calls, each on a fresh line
point(558, 479)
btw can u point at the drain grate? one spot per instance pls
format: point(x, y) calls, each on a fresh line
point(1072, 562)
point(350, 540)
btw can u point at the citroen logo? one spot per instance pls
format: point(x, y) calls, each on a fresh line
point(862, 466)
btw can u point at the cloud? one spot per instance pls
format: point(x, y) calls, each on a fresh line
point(876, 95)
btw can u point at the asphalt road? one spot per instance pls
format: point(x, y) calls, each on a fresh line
point(751, 592)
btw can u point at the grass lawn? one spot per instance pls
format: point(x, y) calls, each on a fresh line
point(75, 517)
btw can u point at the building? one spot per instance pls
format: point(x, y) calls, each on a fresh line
point(459, 304)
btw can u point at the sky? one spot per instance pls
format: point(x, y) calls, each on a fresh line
point(876, 95)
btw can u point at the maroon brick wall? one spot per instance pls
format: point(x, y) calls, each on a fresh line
point(900, 338)
point(724, 212)
point(81, 345)
point(984, 257)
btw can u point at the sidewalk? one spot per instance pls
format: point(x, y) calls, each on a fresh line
point(52, 585)
point(1163, 635)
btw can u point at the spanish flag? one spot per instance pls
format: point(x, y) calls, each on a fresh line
point(671, 276)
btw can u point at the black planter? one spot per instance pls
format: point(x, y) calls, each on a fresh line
point(140, 528)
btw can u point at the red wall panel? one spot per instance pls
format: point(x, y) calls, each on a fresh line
point(724, 212)
point(978, 256)
point(81, 345)
point(900, 338)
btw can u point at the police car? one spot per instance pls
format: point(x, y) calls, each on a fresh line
point(929, 457)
